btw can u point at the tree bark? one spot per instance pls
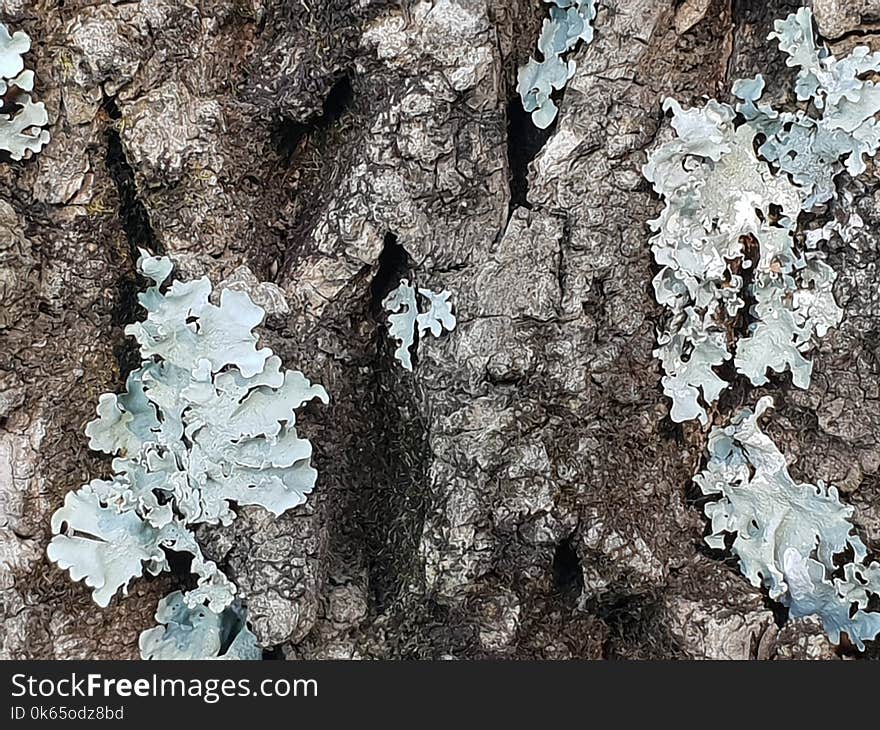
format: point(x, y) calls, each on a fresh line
point(523, 493)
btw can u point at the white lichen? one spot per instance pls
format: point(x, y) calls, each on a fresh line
point(733, 225)
point(197, 633)
point(797, 540)
point(206, 422)
point(22, 120)
point(570, 22)
point(406, 323)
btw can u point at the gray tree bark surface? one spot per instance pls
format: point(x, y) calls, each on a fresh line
point(523, 493)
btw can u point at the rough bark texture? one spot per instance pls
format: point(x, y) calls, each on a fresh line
point(524, 493)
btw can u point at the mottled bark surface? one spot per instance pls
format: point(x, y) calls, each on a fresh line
point(523, 493)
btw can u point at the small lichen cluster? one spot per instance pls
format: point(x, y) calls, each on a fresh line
point(186, 633)
point(21, 119)
point(797, 540)
point(733, 229)
point(206, 422)
point(570, 22)
point(405, 321)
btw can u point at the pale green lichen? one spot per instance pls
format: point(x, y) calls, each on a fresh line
point(733, 223)
point(570, 22)
point(402, 315)
point(738, 183)
point(797, 540)
point(206, 422)
point(197, 633)
point(405, 322)
point(21, 125)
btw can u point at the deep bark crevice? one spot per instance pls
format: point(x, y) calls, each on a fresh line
point(393, 511)
point(568, 575)
point(524, 142)
point(132, 212)
point(866, 32)
point(135, 222)
point(637, 629)
point(288, 134)
point(338, 100)
point(273, 654)
point(312, 159)
point(394, 263)
point(391, 508)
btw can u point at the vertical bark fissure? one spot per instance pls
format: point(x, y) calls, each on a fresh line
point(392, 510)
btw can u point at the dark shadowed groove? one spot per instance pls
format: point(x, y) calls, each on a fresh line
point(524, 142)
point(638, 629)
point(568, 575)
point(751, 52)
point(138, 232)
point(273, 654)
point(132, 212)
point(393, 266)
point(391, 511)
point(288, 134)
